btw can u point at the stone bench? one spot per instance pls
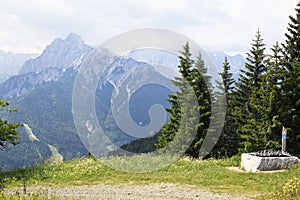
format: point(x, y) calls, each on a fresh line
point(252, 163)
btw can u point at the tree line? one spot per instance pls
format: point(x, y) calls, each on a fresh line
point(265, 98)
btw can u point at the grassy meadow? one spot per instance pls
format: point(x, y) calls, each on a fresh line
point(212, 175)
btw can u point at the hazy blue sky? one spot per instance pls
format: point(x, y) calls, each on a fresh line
point(217, 25)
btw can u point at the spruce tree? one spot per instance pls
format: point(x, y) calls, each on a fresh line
point(290, 114)
point(170, 129)
point(292, 43)
point(226, 75)
point(190, 107)
point(266, 100)
point(247, 117)
point(175, 124)
point(201, 84)
point(227, 144)
point(271, 98)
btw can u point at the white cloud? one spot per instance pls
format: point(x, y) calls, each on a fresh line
point(27, 26)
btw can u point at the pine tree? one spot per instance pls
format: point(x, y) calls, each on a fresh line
point(227, 144)
point(276, 70)
point(290, 110)
point(201, 84)
point(290, 114)
point(247, 117)
point(176, 125)
point(267, 102)
point(292, 43)
point(170, 129)
point(270, 103)
point(190, 107)
point(227, 79)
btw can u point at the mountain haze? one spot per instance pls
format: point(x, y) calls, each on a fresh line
point(10, 64)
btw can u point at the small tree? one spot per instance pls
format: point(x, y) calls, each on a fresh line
point(8, 130)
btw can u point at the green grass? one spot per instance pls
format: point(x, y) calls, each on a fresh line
point(212, 175)
point(30, 196)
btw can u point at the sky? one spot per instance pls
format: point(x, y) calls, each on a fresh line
point(27, 26)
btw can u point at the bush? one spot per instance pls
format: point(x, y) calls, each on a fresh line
point(235, 160)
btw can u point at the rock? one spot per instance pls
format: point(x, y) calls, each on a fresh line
point(251, 163)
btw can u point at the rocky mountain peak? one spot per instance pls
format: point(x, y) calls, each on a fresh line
point(73, 38)
point(60, 53)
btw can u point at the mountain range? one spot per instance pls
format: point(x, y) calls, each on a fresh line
point(11, 63)
point(41, 88)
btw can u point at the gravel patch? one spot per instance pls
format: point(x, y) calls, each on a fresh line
point(161, 191)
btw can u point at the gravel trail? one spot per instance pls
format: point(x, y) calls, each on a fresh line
point(161, 191)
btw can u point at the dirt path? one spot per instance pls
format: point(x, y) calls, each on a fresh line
point(162, 191)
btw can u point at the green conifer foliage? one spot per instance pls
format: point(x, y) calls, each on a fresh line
point(227, 144)
point(8, 130)
point(190, 107)
point(290, 110)
point(248, 119)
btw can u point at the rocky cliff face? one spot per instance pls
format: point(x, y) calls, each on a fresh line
point(23, 84)
point(49, 66)
point(60, 54)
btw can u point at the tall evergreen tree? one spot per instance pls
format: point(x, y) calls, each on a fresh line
point(292, 43)
point(290, 114)
point(267, 102)
point(202, 87)
point(170, 129)
point(190, 107)
point(271, 93)
point(247, 117)
point(227, 144)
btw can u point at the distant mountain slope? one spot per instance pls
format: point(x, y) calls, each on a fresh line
point(28, 152)
point(237, 62)
point(10, 63)
point(48, 110)
point(163, 60)
point(142, 96)
point(23, 84)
